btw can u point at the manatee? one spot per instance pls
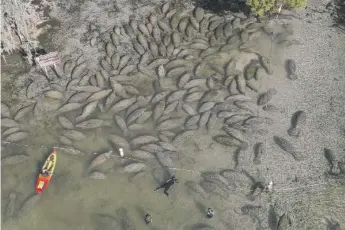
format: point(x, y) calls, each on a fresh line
point(79, 97)
point(119, 141)
point(92, 124)
point(99, 95)
point(144, 139)
point(121, 123)
point(15, 159)
point(170, 124)
point(169, 108)
point(259, 150)
point(287, 147)
point(65, 122)
point(134, 167)
point(17, 136)
point(54, 94)
point(10, 131)
point(121, 105)
point(135, 115)
point(100, 159)
point(266, 97)
point(69, 107)
point(73, 134)
point(298, 122)
point(97, 175)
point(10, 208)
point(9, 123)
point(87, 111)
point(5, 111)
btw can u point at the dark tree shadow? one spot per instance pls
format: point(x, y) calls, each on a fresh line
point(141, 212)
point(338, 13)
point(35, 52)
point(220, 6)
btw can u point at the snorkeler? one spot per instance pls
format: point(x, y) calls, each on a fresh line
point(148, 219)
point(45, 172)
point(210, 213)
point(167, 185)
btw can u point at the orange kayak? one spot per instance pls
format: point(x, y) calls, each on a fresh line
point(46, 173)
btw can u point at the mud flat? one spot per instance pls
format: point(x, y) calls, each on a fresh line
point(222, 102)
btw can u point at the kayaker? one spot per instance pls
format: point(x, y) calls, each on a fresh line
point(167, 185)
point(148, 219)
point(45, 172)
point(210, 213)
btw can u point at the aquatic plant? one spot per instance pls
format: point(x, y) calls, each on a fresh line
point(19, 28)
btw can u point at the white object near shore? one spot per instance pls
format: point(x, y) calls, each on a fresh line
point(50, 59)
point(121, 152)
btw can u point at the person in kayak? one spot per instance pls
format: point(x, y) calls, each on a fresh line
point(167, 185)
point(45, 172)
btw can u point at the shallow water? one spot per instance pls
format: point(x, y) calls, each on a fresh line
point(74, 201)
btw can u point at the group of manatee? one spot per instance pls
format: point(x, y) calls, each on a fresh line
point(171, 74)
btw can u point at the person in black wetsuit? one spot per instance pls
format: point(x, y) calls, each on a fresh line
point(148, 219)
point(210, 213)
point(167, 185)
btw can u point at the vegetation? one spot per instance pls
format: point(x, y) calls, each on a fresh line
point(263, 7)
point(19, 21)
point(293, 4)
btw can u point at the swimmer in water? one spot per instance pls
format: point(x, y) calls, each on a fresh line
point(167, 185)
point(148, 219)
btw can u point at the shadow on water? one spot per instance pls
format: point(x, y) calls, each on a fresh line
point(199, 226)
point(200, 206)
point(141, 211)
point(103, 221)
point(220, 6)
